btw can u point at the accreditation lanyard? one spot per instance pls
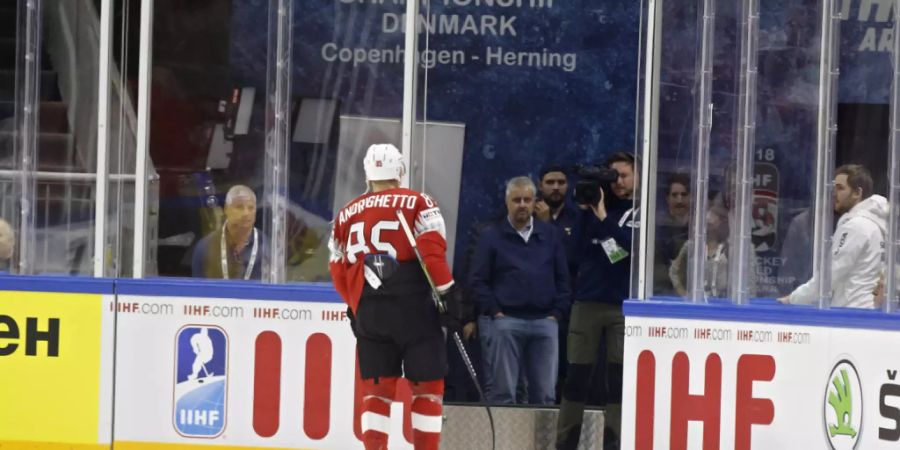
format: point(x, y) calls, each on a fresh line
point(252, 255)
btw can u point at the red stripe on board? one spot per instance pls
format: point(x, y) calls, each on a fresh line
point(317, 401)
point(267, 384)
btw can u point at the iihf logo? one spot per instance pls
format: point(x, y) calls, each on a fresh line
point(201, 367)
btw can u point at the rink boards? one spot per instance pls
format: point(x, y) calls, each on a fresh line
point(141, 365)
point(177, 365)
point(760, 377)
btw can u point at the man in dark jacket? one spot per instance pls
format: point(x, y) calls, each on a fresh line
point(238, 249)
point(671, 231)
point(603, 235)
point(520, 279)
point(552, 207)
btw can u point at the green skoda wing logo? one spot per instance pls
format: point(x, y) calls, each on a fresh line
point(841, 399)
point(843, 407)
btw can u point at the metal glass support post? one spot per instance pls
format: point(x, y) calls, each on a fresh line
point(825, 137)
point(893, 238)
point(700, 179)
point(28, 73)
point(102, 183)
point(145, 67)
point(278, 103)
point(647, 126)
point(741, 244)
point(410, 76)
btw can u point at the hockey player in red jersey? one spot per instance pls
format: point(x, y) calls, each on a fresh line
point(396, 323)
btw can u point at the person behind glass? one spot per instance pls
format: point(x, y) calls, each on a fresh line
point(796, 251)
point(716, 267)
point(719, 218)
point(672, 231)
point(236, 250)
point(552, 207)
point(520, 279)
point(857, 246)
point(603, 237)
point(7, 245)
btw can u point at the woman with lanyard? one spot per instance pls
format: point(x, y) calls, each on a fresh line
point(234, 251)
point(716, 267)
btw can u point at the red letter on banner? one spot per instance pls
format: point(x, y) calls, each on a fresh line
point(317, 393)
point(644, 401)
point(749, 410)
point(267, 384)
point(686, 407)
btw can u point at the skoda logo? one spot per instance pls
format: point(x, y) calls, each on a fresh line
point(843, 408)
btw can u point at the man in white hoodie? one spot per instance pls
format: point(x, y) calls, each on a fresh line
point(858, 243)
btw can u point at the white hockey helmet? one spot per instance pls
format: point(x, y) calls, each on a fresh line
point(383, 162)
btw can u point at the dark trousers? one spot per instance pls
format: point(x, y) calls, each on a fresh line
point(590, 323)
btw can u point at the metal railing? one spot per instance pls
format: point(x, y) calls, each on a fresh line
point(64, 209)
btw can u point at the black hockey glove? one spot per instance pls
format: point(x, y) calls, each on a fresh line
point(457, 311)
point(352, 321)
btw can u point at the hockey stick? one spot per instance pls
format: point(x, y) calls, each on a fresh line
point(443, 309)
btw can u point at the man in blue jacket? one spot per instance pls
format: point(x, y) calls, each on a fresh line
point(520, 278)
point(603, 237)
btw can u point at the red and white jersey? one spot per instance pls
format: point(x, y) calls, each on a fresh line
point(369, 224)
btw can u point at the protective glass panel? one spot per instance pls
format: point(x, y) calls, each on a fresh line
point(783, 146)
point(50, 51)
point(346, 94)
point(121, 138)
point(207, 140)
point(888, 290)
point(9, 200)
point(687, 126)
point(865, 126)
point(750, 227)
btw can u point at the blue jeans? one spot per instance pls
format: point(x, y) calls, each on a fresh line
point(531, 345)
point(485, 337)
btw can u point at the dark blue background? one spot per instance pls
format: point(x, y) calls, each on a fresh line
point(516, 118)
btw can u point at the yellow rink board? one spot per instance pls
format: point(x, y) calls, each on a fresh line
point(47, 397)
point(20, 445)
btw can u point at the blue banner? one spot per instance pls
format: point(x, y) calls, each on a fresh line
point(532, 81)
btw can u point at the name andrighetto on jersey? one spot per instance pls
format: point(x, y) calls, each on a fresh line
point(399, 201)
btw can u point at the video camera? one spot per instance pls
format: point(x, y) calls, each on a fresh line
point(591, 179)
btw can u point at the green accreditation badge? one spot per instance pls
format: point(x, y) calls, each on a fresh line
point(614, 252)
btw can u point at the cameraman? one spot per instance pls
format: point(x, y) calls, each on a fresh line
point(603, 236)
